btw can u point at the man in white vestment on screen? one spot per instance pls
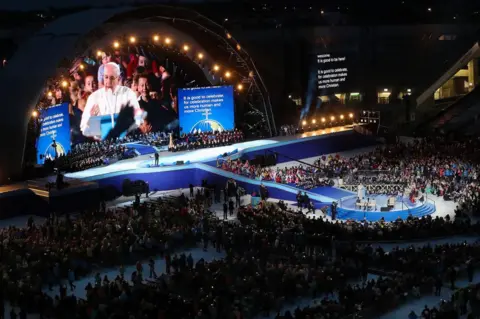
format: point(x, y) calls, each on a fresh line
point(110, 100)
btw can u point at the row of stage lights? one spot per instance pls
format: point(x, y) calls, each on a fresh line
point(64, 84)
point(168, 41)
point(185, 49)
point(323, 120)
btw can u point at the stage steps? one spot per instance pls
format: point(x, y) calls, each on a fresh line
point(420, 211)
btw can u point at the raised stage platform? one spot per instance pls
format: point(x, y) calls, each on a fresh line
point(201, 164)
point(348, 208)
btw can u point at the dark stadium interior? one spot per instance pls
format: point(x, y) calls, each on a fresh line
point(240, 159)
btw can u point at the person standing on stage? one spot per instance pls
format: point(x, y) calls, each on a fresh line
point(157, 157)
point(305, 200)
point(238, 198)
point(191, 190)
point(311, 207)
point(263, 192)
point(231, 207)
point(151, 265)
point(299, 200)
point(225, 211)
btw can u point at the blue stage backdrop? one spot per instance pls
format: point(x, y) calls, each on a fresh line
point(55, 125)
point(206, 109)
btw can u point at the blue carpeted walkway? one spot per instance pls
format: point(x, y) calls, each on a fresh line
point(332, 192)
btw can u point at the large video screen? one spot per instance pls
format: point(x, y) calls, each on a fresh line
point(114, 103)
point(332, 71)
point(54, 139)
point(206, 109)
point(118, 94)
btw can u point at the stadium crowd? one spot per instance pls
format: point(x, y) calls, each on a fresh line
point(198, 140)
point(436, 166)
point(273, 257)
point(88, 155)
point(305, 177)
point(428, 166)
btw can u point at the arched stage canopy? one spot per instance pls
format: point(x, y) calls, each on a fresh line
point(23, 80)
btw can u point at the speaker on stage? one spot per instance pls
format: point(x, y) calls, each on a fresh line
point(179, 162)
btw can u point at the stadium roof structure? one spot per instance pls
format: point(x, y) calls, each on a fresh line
point(36, 61)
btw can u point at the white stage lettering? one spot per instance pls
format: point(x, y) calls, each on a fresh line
point(51, 124)
point(331, 72)
point(202, 103)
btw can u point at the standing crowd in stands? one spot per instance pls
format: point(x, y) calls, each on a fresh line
point(429, 166)
point(306, 177)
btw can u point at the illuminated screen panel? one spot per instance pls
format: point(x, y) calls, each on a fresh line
point(206, 109)
point(332, 71)
point(54, 136)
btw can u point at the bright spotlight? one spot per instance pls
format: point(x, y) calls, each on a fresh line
point(323, 120)
point(216, 67)
point(314, 121)
point(99, 53)
point(186, 48)
point(34, 114)
point(82, 67)
point(385, 90)
point(229, 36)
point(304, 123)
point(350, 115)
point(49, 94)
point(200, 56)
point(228, 74)
point(341, 117)
point(168, 40)
point(239, 47)
point(116, 45)
point(64, 84)
point(156, 38)
point(240, 87)
point(250, 74)
point(133, 39)
point(332, 118)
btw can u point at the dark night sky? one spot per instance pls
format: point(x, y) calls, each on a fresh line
point(34, 5)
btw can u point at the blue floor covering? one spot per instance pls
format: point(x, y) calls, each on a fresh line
point(332, 192)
